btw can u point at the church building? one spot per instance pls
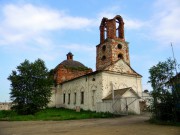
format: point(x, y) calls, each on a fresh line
point(114, 87)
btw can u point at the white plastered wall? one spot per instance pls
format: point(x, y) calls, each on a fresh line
point(113, 81)
point(91, 85)
point(95, 88)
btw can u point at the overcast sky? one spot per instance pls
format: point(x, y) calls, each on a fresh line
point(49, 29)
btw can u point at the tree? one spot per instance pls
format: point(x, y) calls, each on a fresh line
point(30, 87)
point(164, 104)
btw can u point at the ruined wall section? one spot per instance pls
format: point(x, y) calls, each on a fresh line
point(112, 45)
point(110, 52)
point(64, 74)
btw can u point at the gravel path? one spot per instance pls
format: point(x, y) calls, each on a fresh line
point(129, 125)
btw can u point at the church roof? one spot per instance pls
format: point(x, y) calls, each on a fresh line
point(72, 64)
point(109, 69)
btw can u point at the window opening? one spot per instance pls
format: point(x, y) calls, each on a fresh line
point(64, 96)
point(82, 97)
point(104, 47)
point(74, 98)
point(120, 56)
point(69, 98)
point(105, 32)
point(119, 46)
point(117, 28)
point(103, 58)
point(93, 97)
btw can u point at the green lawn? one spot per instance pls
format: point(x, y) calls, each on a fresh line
point(52, 114)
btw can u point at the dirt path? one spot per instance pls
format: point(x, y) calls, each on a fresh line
point(130, 125)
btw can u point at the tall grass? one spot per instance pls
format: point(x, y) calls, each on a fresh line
point(52, 114)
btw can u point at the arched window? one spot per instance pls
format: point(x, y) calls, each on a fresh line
point(103, 58)
point(119, 27)
point(69, 98)
point(103, 30)
point(64, 98)
point(104, 47)
point(119, 46)
point(120, 56)
point(75, 98)
point(82, 97)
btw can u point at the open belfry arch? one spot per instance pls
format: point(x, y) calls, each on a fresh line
point(112, 45)
point(112, 28)
point(114, 87)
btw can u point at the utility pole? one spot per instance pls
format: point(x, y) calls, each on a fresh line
point(174, 58)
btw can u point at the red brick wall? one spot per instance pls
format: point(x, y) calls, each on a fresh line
point(115, 36)
point(111, 53)
point(63, 74)
point(111, 29)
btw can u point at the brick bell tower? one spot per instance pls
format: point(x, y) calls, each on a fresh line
point(112, 45)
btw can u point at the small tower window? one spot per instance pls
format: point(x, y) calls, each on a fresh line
point(119, 46)
point(104, 47)
point(120, 56)
point(103, 58)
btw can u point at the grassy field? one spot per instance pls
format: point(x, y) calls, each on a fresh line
point(52, 114)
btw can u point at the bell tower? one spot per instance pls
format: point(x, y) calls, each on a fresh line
point(113, 46)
